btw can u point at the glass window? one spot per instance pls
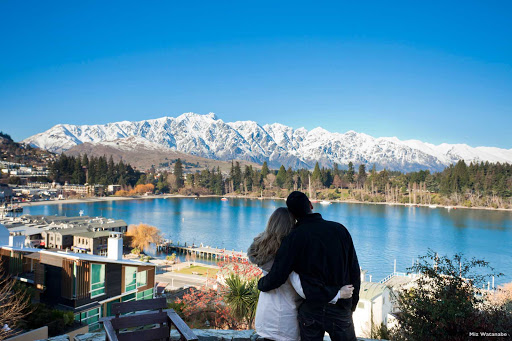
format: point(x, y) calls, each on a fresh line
point(97, 279)
point(128, 298)
point(142, 279)
point(145, 295)
point(130, 278)
point(90, 318)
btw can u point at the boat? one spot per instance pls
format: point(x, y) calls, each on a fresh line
point(432, 206)
point(325, 202)
point(224, 199)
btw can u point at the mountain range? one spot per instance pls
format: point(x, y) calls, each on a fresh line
point(210, 137)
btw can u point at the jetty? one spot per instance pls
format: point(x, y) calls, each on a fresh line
point(202, 251)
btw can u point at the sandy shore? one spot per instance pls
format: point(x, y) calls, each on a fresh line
point(146, 197)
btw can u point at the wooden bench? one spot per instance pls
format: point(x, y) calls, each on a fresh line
point(140, 326)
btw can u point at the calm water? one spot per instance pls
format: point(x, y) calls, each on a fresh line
point(381, 233)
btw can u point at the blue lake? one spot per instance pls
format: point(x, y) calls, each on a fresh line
point(381, 233)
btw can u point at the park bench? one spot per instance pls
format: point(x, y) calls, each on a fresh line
point(149, 321)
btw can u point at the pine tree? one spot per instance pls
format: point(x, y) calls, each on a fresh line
point(361, 175)
point(350, 172)
point(316, 176)
point(178, 173)
point(281, 177)
point(264, 170)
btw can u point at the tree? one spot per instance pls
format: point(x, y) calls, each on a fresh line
point(337, 181)
point(316, 176)
point(444, 302)
point(143, 235)
point(281, 177)
point(264, 170)
point(350, 172)
point(361, 175)
point(270, 180)
point(15, 304)
point(178, 173)
point(162, 185)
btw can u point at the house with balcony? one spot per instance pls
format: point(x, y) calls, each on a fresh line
point(85, 284)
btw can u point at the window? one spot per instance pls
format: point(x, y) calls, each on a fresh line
point(128, 298)
point(145, 295)
point(130, 278)
point(97, 279)
point(142, 279)
point(360, 305)
point(90, 318)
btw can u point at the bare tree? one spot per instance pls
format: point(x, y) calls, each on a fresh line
point(15, 304)
point(269, 180)
point(143, 235)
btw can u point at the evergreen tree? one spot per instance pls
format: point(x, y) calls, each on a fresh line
point(281, 177)
point(361, 175)
point(237, 177)
point(248, 177)
point(289, 179)
point(316, 176)
point(264, 170)
point(178, 173)
point(350, 172)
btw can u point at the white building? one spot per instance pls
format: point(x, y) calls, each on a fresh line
point(373, 308)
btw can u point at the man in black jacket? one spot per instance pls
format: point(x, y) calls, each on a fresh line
point(323, 254)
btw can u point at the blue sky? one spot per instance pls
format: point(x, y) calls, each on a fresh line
point(434, 71)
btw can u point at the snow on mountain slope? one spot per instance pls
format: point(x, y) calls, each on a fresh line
point(210, 137)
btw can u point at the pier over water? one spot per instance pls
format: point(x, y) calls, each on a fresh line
point(206, 252)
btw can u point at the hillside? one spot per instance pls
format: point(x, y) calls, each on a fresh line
point(142, 154)
point(11, 151)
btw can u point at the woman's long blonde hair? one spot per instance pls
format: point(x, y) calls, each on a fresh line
point(266, 244)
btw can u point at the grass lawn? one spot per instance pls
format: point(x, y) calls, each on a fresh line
point(198, 270)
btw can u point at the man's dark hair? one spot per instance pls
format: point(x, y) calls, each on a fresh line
point(298, 204)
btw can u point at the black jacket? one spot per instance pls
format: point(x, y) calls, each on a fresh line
point(323, 254)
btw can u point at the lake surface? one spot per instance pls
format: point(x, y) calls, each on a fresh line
point(381, 233)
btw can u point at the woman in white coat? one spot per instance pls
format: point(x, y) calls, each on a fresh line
point(276, 313)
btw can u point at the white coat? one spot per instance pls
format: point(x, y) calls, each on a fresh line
point(276, 313)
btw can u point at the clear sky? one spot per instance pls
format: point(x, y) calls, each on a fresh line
point(437, 71)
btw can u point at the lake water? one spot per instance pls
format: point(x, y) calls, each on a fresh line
point(381, 233)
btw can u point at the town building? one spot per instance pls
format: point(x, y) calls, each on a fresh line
point(93, 243)
point(82, 283)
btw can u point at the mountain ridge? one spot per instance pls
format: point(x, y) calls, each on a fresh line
point(210, 137)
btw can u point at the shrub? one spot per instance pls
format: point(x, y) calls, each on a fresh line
point(445, 302)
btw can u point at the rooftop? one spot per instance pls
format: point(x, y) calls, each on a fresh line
point(77, 256)
point(93, 234)
point(370, 290)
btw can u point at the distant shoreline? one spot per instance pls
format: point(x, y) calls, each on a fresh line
point(145, 197)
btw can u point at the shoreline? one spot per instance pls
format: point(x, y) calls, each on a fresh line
point(147, 197)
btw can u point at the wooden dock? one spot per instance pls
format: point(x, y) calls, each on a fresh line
point(201, 251)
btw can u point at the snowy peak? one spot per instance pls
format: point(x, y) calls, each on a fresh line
point(210, 137)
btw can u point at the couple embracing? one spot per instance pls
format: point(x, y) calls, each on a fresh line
point(312, 276)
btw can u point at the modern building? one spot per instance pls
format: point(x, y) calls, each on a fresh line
point(85, 284)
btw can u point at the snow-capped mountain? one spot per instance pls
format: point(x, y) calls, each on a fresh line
point(210, 137)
